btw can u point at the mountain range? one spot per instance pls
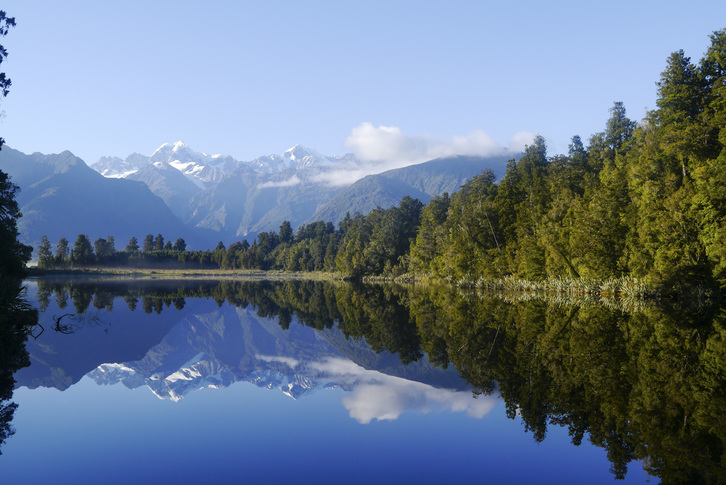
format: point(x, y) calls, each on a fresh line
point(178, 192)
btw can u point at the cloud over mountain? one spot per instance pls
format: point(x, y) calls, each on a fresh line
point(377, 149)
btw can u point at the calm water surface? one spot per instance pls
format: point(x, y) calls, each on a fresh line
point(223, 382)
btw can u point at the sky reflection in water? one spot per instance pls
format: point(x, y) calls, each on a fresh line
point(401, 430)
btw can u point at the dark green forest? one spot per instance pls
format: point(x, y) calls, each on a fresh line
point(643, 203)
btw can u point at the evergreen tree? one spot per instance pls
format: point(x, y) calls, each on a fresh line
point(393, 231)
point(103, 249)
point(285, 233)
point(180, 245)
point(566, 179)
point(522, 200)
point(45, 255)
point(603, 226)
point(132, 246)
point(148, 243)
point(432, 237)
point(13, 254)
point(665, 248)
point(477, 239)
point(62, 251)
point(159, 243)
point(82, 251)
point(710, 176)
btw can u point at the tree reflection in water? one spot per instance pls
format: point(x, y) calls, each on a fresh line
point(17, 318)
point(645, 384)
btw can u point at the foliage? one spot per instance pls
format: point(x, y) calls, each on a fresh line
point(82, 252)
point(645, 201)
point(45, 255)
point(13, 254)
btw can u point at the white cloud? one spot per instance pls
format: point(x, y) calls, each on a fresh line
point(294, 180)
point(379, 396)
point(520, 140)
point(381, 148)
point(388, 144)
point(289, 361)
point(385, 143)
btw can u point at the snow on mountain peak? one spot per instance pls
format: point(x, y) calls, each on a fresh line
point(297, 157)
point(205, 170)
point(170, 151)
point(299, 152)
point(296, 153)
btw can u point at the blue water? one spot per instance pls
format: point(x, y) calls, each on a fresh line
point(110, 434)
point(347, 425)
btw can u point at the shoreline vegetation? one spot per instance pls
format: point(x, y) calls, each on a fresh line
point(637, 212)
point(161, 273)
point(620, 287)
point(631, 293)
point(623, 295)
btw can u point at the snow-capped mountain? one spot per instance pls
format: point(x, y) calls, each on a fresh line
point(232, 198)
point(193, 356)
point(200, 168)
point(114, 167)
point(297, 158)
point(205, 372)
point(227, 200)
point(204, 169)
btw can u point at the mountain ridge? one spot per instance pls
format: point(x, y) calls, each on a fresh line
point(61, 196)
point(203, 198)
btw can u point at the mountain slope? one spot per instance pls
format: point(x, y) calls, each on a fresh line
point(365, 195)
point(246, 203)
point(62, 197)
point(174, 188)
point(422, 181)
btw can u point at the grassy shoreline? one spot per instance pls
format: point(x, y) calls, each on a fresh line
point(612, 288)
point(623, 288)
point(183, 273)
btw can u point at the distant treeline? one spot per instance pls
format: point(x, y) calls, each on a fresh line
point(381, 238)
point(642, 200)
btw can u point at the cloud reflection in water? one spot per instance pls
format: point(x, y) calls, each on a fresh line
point(376, 395)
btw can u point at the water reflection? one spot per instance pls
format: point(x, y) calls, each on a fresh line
point(207, 334)
point(379, 396)
point(17, 319)
point(646, 384)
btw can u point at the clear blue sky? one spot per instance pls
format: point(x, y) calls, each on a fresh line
point(252, 78)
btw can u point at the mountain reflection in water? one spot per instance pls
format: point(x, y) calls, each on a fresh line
point(644, 384)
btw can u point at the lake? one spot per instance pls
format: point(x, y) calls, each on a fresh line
point(191, 381)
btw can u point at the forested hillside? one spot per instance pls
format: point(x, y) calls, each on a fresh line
point(643, 200)
point(646, 200)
